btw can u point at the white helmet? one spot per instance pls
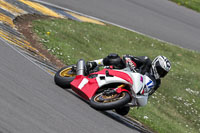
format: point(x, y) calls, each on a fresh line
point(161, 66)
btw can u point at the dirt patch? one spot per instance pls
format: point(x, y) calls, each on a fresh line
point(24, 25)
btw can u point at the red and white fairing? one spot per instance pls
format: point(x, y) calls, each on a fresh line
point(86, 86)
point(139, 88)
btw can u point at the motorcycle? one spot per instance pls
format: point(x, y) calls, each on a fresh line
point(106, 89)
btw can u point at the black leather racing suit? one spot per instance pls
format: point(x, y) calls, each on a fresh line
point(142, 64)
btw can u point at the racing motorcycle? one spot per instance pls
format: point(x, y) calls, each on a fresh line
point(106, 89)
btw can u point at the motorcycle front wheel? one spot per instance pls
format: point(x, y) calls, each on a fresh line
point(103, 102)
point(122, 110)
point(65, 76)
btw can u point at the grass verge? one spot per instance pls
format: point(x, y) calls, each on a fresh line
point(173, 108)
point(192, 4)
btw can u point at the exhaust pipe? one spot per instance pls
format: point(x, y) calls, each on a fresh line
point(80, 67)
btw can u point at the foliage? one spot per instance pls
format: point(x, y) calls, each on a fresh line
point(173, 108)
point(192, 4)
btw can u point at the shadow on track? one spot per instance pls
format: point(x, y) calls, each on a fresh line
point(121, 119)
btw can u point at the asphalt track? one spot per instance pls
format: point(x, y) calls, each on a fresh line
point(30, 102)
point(161, 19)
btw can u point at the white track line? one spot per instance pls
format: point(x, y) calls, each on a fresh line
point(28, 58)
point(63, 8)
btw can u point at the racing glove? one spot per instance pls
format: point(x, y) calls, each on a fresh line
point(129, 63)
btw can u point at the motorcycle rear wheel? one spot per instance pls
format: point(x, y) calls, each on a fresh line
point(65, 76)
point(117, 102)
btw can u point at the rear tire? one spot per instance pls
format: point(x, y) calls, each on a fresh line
point(116, 103)
point(64, 76)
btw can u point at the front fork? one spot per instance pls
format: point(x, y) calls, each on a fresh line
point(120, 89)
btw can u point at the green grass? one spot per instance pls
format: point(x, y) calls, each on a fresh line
point(174, 108)
point(192, 4)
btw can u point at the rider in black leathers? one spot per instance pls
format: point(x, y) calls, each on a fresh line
point(155, 69)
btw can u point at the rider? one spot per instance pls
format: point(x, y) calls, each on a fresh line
point(156, 69)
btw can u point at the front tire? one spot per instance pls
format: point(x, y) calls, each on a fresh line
point(115, 102)
point(122, 110)
point(65, 76)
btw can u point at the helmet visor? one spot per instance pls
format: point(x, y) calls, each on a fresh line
point(161, 71)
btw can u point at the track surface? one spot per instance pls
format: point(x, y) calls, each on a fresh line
point(158, 18)
point(30, 102)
